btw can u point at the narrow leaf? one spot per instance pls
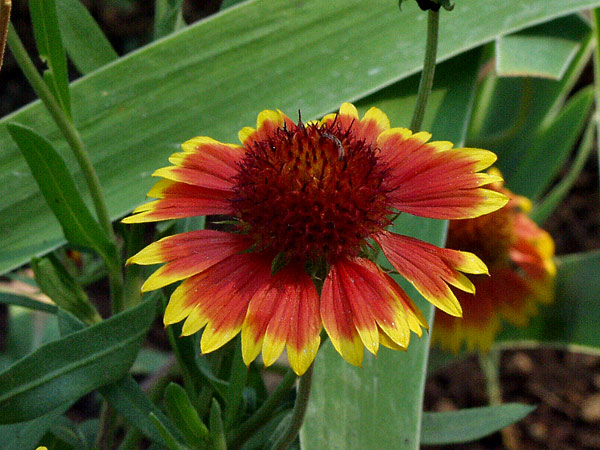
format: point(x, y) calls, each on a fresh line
point(126, 397)
point(26, 302)
point(58, 284)
point(168, 438)
point(217, 432)
point(64, 370)
point(168, 17)
point(550, 202)
point(57, 186)
point(50, 47)
point(467, 425)
point(184, 415)
point(551, 148)
point(85, 42)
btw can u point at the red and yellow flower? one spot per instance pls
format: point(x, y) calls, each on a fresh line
point(309, 201)
point(519, 256)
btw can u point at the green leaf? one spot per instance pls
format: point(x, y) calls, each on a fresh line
point(213, 77)
point(84, 41)
point(126, 397)
point(543, 51)
point(149, 360)
point(511, 115)
point(470, 424)
point(58, 188)
point(217, 432)
point(550, 202)
point(26, 302)
point(58, 284)
point(573, 318)
point(168, 17)
point(64, 370)
point(166, 435)
point(237, 381)
point(389, 414)
point(184, 415)
point(549, 151)
point(26, 435)
point(49, 44)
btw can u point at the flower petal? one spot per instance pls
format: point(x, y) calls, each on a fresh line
point(434, 180)
point(336, 314)
point(286, 311)
point(187, 254)
point(373, 123)
point(218, 298)
point(347, 117)
point(204, 162)
point(267, 123)
point(378, 303)
point(179, 200)
point(430, 269)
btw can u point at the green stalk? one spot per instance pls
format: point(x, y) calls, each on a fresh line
point(289, 436)
point(433, 19)
point(596, 30)
point(262, 414)
point(73, 138)
point(490, 366)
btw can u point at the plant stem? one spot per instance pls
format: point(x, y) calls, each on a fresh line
point(490, 366)
point(299, 411)
point(433, 19)
point(73, 138)
point(262, 414)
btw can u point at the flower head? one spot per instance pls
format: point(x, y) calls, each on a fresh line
point(519, 257)
point(309, 201)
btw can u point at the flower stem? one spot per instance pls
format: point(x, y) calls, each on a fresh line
point(299, 412)
point(490, 366)
point(73, 138)
point(262, 414)
point(433, 19)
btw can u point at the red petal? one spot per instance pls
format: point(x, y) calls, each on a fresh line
point(284, 311)
point(187, 254)
point(430, 269)
point(219, 297)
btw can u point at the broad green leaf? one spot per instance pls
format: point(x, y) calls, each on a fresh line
point(365, 407)
point(213, 77)
point(573, 318)
point(168, 17)
point(49, 44)
point(512, 114)
point(57, 186)
point(26, 302)
point(64, 370)
point(26, 435)
point(84, 41)
point(457, 427)
point(549, 203)
point(184, 415)
point(543, 51)
point(550, 149)
point(126, 397)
